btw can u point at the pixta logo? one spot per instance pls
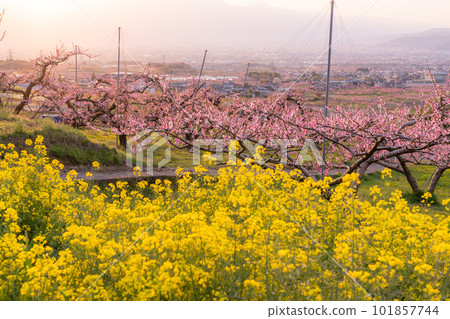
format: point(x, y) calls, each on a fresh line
point(141, 151)
point(150, 149)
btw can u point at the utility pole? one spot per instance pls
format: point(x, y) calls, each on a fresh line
point(118, 83)
point(246, 75)
point(76, 64)
point(125, 57)
point(327, 94)
point(203, 65)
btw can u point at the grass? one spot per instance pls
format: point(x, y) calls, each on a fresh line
point(178, 158)
point(64, 143)
point(398, 181)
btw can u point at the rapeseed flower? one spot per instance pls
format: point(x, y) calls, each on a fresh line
point(247, 234)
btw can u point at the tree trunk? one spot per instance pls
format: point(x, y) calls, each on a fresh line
point(123, 141)
point(361, 171)
point(409, 176)
point(435, 179)
point(19, 107)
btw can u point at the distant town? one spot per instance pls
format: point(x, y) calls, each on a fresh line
point(262, 74)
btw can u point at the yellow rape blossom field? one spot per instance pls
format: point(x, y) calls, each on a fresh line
point(248, 234)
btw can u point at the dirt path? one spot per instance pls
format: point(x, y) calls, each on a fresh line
point(113, 173)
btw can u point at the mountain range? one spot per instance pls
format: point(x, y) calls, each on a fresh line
point(433, 39)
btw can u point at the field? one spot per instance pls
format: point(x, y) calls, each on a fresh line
point(243, 234)
point(248, 234)
point(362, 97)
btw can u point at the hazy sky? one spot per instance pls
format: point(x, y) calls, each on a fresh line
point(32, 25)
point(431, 13)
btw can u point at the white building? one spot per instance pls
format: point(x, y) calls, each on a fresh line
point(437, 76)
